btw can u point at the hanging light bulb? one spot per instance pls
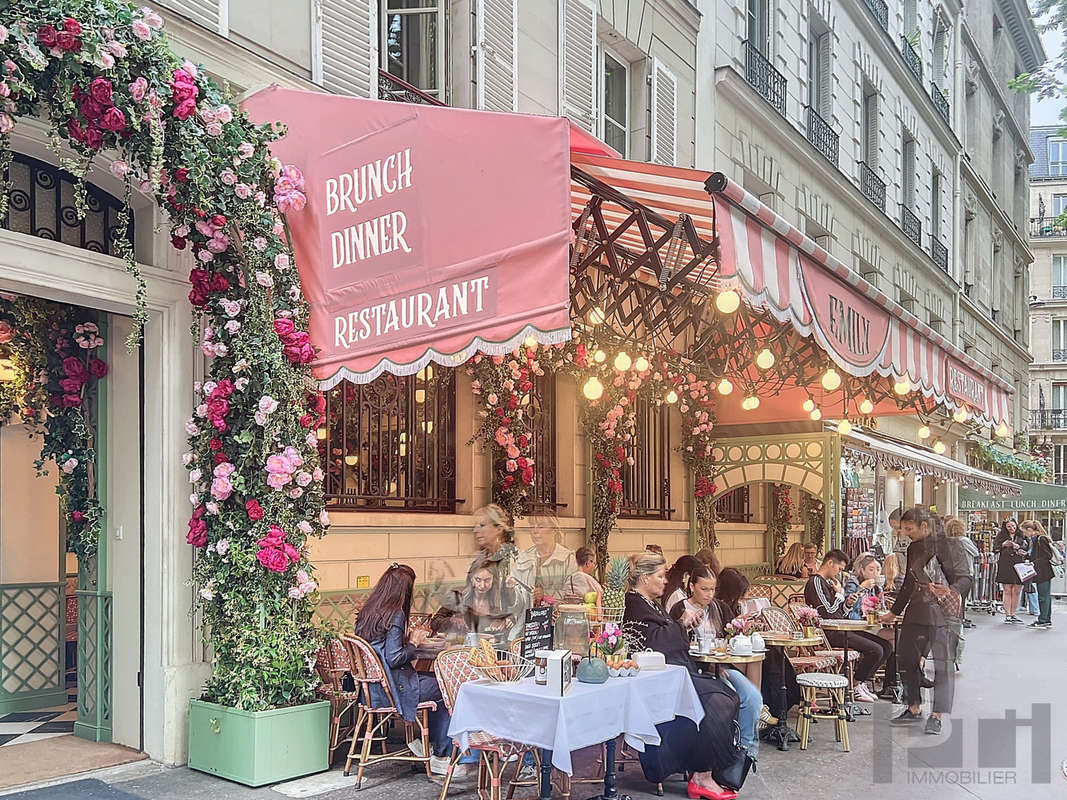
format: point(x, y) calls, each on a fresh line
point(924, 432)
point(902, 387)
point(960, 414)
point(641, 364)
point(750, 403)
point(844, 426)
point(351, 460)
point(728, 301)
point(420, 395)
point(622, 361)
point(672, 396)
point(808, 405)
point(321, 433)
point(725, 387)
point(595, 316)
point(939, 447)
point(427, 426)
point(816, 414)
point(866, 406)
point(600, 356)
point(764, 359)
point(831, 379)
point(593, 389)
point(1002, 430)
point(530, 342)
point(7, 370)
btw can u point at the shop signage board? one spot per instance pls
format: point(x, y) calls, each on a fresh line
point(429, 232)
point(537, 633)
point(965, 386)
point(1034, 497)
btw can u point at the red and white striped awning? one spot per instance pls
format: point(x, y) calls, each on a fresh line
point(863, 330)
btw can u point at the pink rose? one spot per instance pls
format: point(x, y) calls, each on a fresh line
point(228, 176)
point(273, 559)
point(138, 89)
point(224, 114)
point(7, 332)
point(7, 124)
point(213, 129)
point(117, 49)
point(242, 190)
point(141, 30)
point(151, 18)
point(281, 261)
point(279, 463)
point(278, 480)
point(221, 488)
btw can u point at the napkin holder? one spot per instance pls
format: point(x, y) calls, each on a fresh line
point(650, 660)
point(559, 671)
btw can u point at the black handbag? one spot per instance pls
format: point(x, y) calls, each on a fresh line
point(733, 775)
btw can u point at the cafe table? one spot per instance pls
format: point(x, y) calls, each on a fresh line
point(847, 626)
point(587, 714)
point(780, 641)
point(719, 660)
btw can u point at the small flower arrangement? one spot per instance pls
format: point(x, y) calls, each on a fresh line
point(610, 640)
point(870, 603)
point(739, 626)
point(807, 616)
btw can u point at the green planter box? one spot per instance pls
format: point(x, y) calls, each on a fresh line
point(259, 747)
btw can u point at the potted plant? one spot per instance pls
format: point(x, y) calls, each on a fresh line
point(869, 605)
point(737, 630)
point(809, 619)
point(611, 645)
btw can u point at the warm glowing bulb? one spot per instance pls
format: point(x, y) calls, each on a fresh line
point(530, 342)
point(924, 432)
point(420, 395)
point(623, 362)
point(599, 356)
point(728, 301)
point(902, 387)
point(750, 403)
point(672, 396)
point(844, 426)
point(764, 359)
point(1002, 430)
point(427, 426)
point(593, 389)
point(816, 414)
point(321, 433)
point(866, 406)
point(808, 405)
point(351, 460)
point(939, 447)
point(831, 379)
point(725, 387)
point(7, 369)
point(960, 415)
point(641, 364)
point(595, 316)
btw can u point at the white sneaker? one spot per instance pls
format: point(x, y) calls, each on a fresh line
point(438, 764)
point(415, 746)
point(863, 694)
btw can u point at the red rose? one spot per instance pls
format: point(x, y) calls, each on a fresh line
point(75, 130)
point(214, 444)
point(224, 388)
point(197, 298)
point(284, 327)
point(185, 109)
point(77, 516)
point(306, 420)
point(181, 174)
point(178, 242)
point(94, 138)
point(219, 283)
point(523, 440)
point(522, 462)
point(221, 458)
point(114, 120)
point(290, 552)
point(513, 402)
point(71, 401)
point(527, 475)
point(273, 559)
point(197, 535)
point(317, 403)
point(68, 42)
point(74, 368)
point(70, 385)
point(101, 91)
point(91, 109)
point(275, 536)
point(71, 25)
point(218, 407)
point(620, 454)
point(218, 220)
point(46, 36)
point(254, 510)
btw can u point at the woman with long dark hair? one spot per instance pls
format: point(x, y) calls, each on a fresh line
point(384, 623)
point(1011, 546)
point(678, 577)
point(732, 587)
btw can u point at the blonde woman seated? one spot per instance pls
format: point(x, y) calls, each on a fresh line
point(504, 599)
point(792, 563)
point(547, 565)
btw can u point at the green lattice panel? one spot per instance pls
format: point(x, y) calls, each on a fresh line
point(31, 638)
point(87, 657)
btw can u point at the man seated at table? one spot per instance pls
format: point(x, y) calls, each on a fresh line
point(582, 585)
point(824, 593)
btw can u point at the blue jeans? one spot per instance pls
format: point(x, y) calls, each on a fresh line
point(1028, 601)
point(748, 715)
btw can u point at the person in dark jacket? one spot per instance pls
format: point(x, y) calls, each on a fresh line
point(1011, 547)
point(383, 622)
point(1041, 555)
point(926, 625)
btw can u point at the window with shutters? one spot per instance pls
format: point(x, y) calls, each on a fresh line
point(614, 123)
point(344, 52)
point(907, 171)
point(646, 482)
point(1057, 157)
point(413, 43)
point(496, 55)
point(664, 115)
point(935, 205)
point(870, 127)
point(819, 68)
point(1059, 340)
point(578, 63)
point(759, 25)
point(1059, 277)
point(911, 19)
point(211, 14)
point(939, 45)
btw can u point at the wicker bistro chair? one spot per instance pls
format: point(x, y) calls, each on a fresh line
point(453, 670)
point(824, 698)
point(803, 660)
point(332, 664)
point(837, 653)
point(372, 722)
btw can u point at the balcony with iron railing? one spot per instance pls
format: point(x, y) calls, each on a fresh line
point(764, 78)
point(940, 102)
point(822, 137)
point(391, 87)
point(939, 254)
point(1059, 292)
point(872, 186)
point(1059, 354)
point(1047, 227)
point(911, 225)
point(880, 11)
point(1048, 419)
point(911, 59)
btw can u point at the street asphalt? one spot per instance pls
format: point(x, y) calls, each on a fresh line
point(1007, 738)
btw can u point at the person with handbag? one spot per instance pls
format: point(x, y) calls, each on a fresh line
point(1011, 546)
point(930, 611)
point(1044, 557)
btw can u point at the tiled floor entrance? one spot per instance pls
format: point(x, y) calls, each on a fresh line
point(31, 726)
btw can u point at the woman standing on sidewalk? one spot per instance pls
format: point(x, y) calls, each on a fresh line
point(1041, 554)
point(1011, 547)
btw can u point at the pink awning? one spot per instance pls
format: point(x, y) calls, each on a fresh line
point(430, 232)
point(775, 265)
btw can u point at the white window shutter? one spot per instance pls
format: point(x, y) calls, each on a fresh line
point(664, 115)
point(345, 46)
point(577, 62)
point(496, 54)
point(212, 14)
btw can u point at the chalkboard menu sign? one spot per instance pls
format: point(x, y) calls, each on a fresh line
point(537, 635)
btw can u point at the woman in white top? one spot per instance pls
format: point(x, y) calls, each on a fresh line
point(678, 577)
point(547, 565)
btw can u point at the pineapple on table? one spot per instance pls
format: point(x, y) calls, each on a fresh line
point(615, 592)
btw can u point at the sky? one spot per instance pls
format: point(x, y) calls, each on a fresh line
point(1047, 112)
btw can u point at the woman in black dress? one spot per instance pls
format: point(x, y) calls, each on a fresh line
point(1011, 546)
point(706, 751)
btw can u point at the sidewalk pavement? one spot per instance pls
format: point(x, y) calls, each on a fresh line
point(1009, 672)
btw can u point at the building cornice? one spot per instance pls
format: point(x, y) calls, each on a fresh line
point(1020, 24)
point(683, 13)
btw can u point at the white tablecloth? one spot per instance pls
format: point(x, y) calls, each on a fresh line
point(588, 714)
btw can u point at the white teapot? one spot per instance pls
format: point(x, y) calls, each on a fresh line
point(758, 645)
point(741, 646)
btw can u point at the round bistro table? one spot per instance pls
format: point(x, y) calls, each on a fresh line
point(782, 733)
point(847, 626)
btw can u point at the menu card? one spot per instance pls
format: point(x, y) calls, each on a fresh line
point(537, 634)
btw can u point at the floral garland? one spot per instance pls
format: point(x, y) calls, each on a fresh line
point(698, 441)
point(781, 517)
point(57, 370)
point(107, 80)
point(814, 513)
point(993, 460)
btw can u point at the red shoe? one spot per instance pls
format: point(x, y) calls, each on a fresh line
point(696, 792)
